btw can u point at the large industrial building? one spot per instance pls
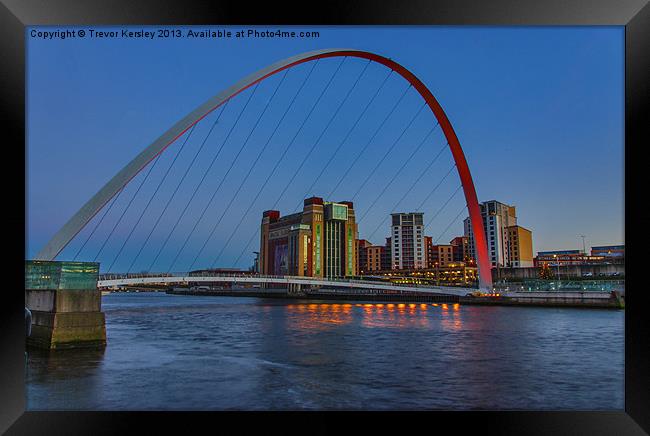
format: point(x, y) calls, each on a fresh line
point(320, 241)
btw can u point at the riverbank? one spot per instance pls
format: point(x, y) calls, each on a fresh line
point(589, 299)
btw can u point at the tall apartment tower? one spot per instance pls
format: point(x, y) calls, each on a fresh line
point(407, 241)
point(508, 243)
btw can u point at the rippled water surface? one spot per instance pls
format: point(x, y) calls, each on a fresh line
point(168, 352)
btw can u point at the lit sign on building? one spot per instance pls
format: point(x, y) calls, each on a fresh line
point(281, 266)
point(350, 254)
point(317, 249)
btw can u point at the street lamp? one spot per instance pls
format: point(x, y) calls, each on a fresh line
point(256, 264)
point(584, 247)
point(559, 280)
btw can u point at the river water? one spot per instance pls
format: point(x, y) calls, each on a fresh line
point(171, 352)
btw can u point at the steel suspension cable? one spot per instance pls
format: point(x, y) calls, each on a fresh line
point(347, 135)
point(205, 139)
point(379, 127)
point(286, 149)
point(110, 206)
point(259, 191)
point(376, 132)
point(301, 126)
point(117, 223)
point(369, 208)
point(152, 196)
point(232, 164)
point(153, 228)
point(232, 128)
point(320, 136)
point(388, 151)
point(257, 158)
point(450, 224)
point(394, 209)
point(214, 192)
point(247, 245)
point(443, 206)
point(435, 188)
point(230, 131)
point(304, 160)
point(274, 168)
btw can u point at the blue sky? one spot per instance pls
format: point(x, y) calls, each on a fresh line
point(539, 113)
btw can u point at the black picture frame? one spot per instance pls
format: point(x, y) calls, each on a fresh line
point(633, 14)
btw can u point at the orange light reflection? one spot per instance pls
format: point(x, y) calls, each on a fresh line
point(318, 316)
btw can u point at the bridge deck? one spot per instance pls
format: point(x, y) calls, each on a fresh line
point(283, 280)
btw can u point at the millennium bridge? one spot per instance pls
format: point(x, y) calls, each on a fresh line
point(292, 283)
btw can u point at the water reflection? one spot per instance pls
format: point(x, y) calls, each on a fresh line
point(451, 321)
point(324, 316)
point(320, 316)
point(400, 315)
point(73, 377)
point(64, 364)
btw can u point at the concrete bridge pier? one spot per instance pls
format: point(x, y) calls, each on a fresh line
point(65, 305)
point(294, 289)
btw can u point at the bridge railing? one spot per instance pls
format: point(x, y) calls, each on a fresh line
point(119, 276)
point(189, 275)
